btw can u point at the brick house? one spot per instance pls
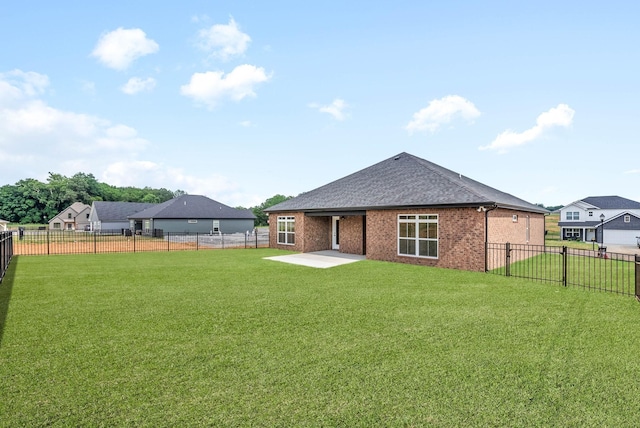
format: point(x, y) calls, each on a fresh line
point(409, 210)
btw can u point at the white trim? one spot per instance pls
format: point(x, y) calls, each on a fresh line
point(286, 236)
point(413, 240)
point(335, 232)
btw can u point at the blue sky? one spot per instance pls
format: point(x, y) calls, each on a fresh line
point(240, 100)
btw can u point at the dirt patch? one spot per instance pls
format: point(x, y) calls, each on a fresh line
point(98, 247)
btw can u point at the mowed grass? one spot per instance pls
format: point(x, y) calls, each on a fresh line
point(226, 338)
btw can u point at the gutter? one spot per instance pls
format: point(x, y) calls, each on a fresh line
point(486, 233)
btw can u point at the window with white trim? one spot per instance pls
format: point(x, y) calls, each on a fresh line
point(572, 233)
point(627, 219)
point(286, 230)
point(573, 215)
point(418, 235)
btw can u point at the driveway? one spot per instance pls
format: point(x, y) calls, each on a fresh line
point(623, 249)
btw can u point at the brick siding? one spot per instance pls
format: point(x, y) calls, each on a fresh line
point(461, 234)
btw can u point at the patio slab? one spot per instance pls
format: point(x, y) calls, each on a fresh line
point(318, 259)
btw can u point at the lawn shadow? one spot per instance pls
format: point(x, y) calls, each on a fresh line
point(5, 294)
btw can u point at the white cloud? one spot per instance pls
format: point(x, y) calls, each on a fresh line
point(152, 174)
point(119, 48)
point(246, 124)
point(137, 84)
point(440, 112)
point(36, 138)
point(633, 171)
point(223, 41)
point(38, 134)
point(560, 116)
point(17, 85)
point(211, 87)
point(336, 109)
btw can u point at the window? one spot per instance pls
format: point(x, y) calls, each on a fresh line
point(627, 219)
point(418, 235)
point(56, 225)
point(590, 213)
point(68, 215)
point(287, 230)
point(572, 233)
point(514, 218)
point(573, 215)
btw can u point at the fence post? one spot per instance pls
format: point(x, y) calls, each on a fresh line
point(48, 250)
point(564, 265)
point(507, 261)
point(95, 244)
point(638, 277)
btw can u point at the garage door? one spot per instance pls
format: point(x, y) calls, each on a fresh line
point(621, 237)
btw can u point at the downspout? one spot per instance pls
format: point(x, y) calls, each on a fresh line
point(486, 235)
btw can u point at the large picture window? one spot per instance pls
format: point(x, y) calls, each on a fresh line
point(418, 235)
point(286, 230)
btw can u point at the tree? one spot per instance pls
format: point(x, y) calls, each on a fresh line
point(31, 201)
point(261, 216)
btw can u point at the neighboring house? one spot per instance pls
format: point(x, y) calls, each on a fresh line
point(194, 214)
point(4, 225)
point(75, 217)
point(406, 209)
point(585, 219)
point(114, 216)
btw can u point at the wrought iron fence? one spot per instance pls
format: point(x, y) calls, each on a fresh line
point(589, 269)
point(6, 252)
point(45, 242)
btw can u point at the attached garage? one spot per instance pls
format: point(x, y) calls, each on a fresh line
point(622, 230)
point(621, 237)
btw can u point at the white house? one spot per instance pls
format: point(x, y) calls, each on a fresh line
point(604, 219)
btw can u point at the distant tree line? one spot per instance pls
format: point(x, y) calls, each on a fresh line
point(550, 207)
point(32, 201)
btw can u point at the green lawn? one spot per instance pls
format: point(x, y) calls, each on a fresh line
point(225, 338)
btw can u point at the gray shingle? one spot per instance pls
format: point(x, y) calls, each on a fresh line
point(612, 202)
point(402, 181)
point(194, 207)
point(118, 211)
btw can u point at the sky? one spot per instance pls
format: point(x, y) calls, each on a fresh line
point(243, 100)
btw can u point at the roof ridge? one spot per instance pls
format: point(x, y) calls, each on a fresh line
point(435, 170)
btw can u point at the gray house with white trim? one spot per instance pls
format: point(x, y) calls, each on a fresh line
point(113, 216)
point(193, 214)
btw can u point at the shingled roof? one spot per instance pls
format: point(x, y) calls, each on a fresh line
point(118, 211)
point(192, 206)
point(612, 202)
point(403, 180)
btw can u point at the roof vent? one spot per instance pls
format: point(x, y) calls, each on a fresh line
point(396, 158)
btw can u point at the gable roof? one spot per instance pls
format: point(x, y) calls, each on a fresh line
point(403, 180)
point(611, 202)
point(118, 211)
point(194, 207)
point(79, 207)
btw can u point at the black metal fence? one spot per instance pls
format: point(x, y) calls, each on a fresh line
point(45, 242)
point(6, 252)
point(589, 269)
